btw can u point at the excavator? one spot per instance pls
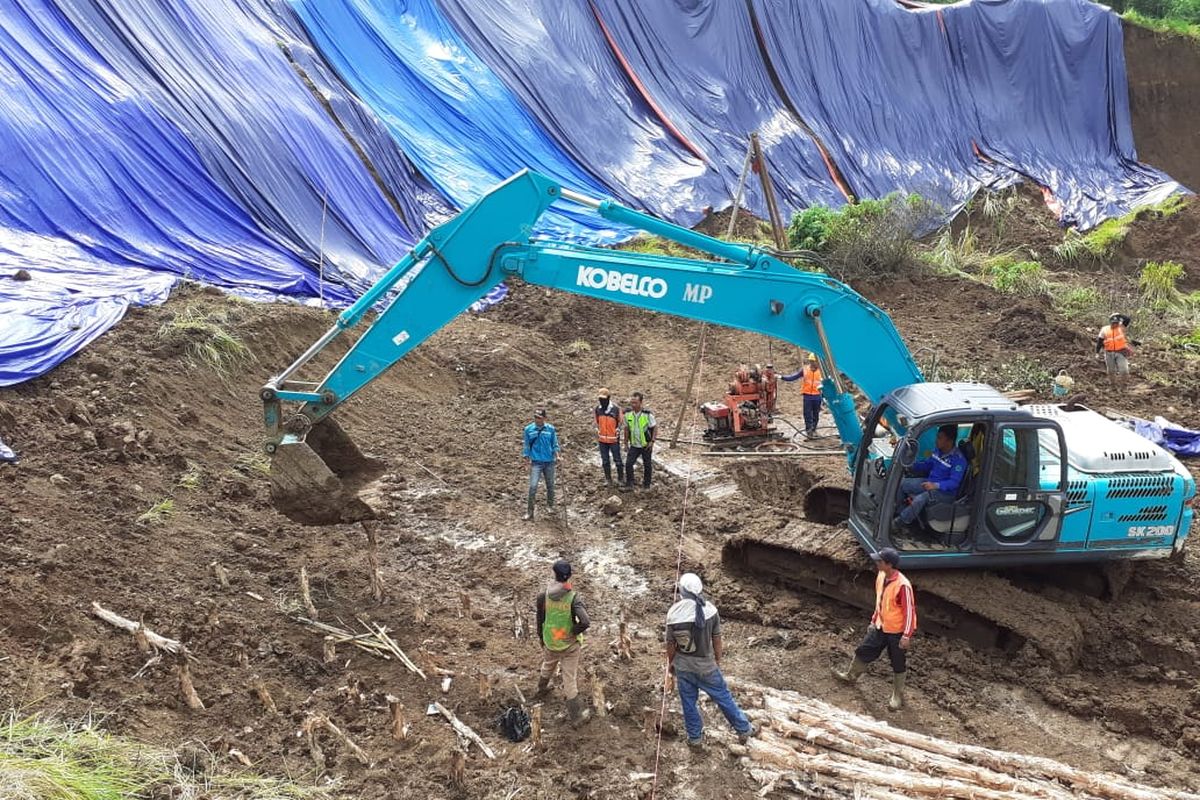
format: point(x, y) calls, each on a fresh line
point(1048, 485)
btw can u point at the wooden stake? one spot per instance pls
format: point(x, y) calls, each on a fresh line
point(309, 728)
point(535, 725)
point(221, 575)
point(399, 726)
point(649, 721)
point(187, 688)
point(420, 612)
point(306, 595)
point(373, 562)
point(157, 642)
point(464, 599)
point(264, 695)
point(598, 697)
point(520, 627)
point(458, 768)
point(141, 640)
point(329, 651)
point(486, 682)
point(243, 659)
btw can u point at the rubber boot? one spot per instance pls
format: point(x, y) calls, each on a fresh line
point(543, 688)
point(577, 711)
point(897, 701)
point(851, 675)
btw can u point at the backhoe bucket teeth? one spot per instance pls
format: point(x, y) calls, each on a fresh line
point(324, 479)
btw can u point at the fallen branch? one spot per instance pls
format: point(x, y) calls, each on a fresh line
point(314, 723)
point(138, 630)
point(463, 730)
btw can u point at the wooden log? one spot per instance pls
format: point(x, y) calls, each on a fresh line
point(329, 651)
point(306, 594)
point(535, 726)
point(598, 701)
point(157, 642)
point(464, 730)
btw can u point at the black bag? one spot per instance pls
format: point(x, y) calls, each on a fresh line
point(514, 724)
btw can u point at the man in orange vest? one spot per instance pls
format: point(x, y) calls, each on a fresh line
point(561, 621)
point(810, 389)
point(1115, 344)
point(892, 626)
point(608, 434)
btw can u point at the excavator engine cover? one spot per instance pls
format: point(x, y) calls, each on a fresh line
point(323, 478)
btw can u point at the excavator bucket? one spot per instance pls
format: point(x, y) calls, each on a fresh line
point(323, 478)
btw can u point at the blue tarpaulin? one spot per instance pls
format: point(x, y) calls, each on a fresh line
point(1046, 81)
point(1166, 434)
point(298, 148)
point(458, 122)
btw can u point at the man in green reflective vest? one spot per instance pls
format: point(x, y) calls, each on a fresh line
point(640, 431)
point(561, 621)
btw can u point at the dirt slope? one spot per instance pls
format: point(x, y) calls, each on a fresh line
point(1164, 99)
point(114, 431)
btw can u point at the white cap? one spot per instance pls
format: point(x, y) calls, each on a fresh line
point(690, 582)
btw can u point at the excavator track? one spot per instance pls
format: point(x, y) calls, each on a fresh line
point(980, 608)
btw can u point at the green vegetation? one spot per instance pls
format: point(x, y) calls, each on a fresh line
point(579, 346)
point(190, 479)
point(157, 513)
point(871, 237)
point(1018, 277)
point(1024, 373)
point(1157, 284)
point(1103, 243)
point(253, 463)
point(206, 339)
point(45, 760)
point(1078, 302)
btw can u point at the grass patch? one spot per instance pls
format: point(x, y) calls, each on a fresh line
point(1078, 302)
point(1024, 373)
point(1157, 284)
point(205, 337)
point(1017, 277)
point(45, 760)
point(157, 513)
point(1103, 243)
point(253, 463)
point(191, 477)
point(1175, 25)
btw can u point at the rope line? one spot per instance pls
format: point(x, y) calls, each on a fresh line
point(687, 491)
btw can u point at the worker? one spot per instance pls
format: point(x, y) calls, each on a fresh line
point(810, 389)
point(608, 433)
point(1115, 344)
point(694, 650)
point(541, 454)
point(892, 626)
point(937, 478)
point(640, 431)
point(561, 621)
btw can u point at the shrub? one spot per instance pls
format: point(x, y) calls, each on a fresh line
point(1156, 283)
point(1018, 277)
point(810, 228)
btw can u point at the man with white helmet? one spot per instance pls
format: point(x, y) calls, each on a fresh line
point(694, 656)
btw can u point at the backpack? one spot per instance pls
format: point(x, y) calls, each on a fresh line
point(514, 724)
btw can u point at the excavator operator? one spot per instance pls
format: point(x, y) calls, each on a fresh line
point(937, 479)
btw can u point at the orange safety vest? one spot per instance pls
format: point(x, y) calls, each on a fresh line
point(889, 614)
point(608, 423)
point(811, 384)
point(1114, 338)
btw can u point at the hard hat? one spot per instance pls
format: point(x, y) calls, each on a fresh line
point(540, 413)
point(1114, 315)
point(562, 570)
point(813, 357)
point(603, 393)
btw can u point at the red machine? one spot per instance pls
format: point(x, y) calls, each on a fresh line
point(747, 409)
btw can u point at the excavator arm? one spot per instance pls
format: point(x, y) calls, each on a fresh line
point(320, 476)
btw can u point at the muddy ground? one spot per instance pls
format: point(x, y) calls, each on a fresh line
point(131, 422)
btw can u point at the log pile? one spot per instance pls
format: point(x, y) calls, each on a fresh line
point(808, 748)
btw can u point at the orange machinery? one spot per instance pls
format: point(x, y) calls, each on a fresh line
point(745, 413)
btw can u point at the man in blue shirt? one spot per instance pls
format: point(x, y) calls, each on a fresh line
point(937, 477)
point(541, 453)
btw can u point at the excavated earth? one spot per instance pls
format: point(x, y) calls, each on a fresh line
point(132, 422)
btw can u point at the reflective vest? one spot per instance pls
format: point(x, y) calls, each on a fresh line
point(1114, 338)
point(559, 622)
point(639, 427)
point(608, 421)
point(889, 613)
point(812, 382)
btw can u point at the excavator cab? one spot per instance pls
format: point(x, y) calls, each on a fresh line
point(1010, 502)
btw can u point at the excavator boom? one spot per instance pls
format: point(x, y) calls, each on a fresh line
point(319, 476)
